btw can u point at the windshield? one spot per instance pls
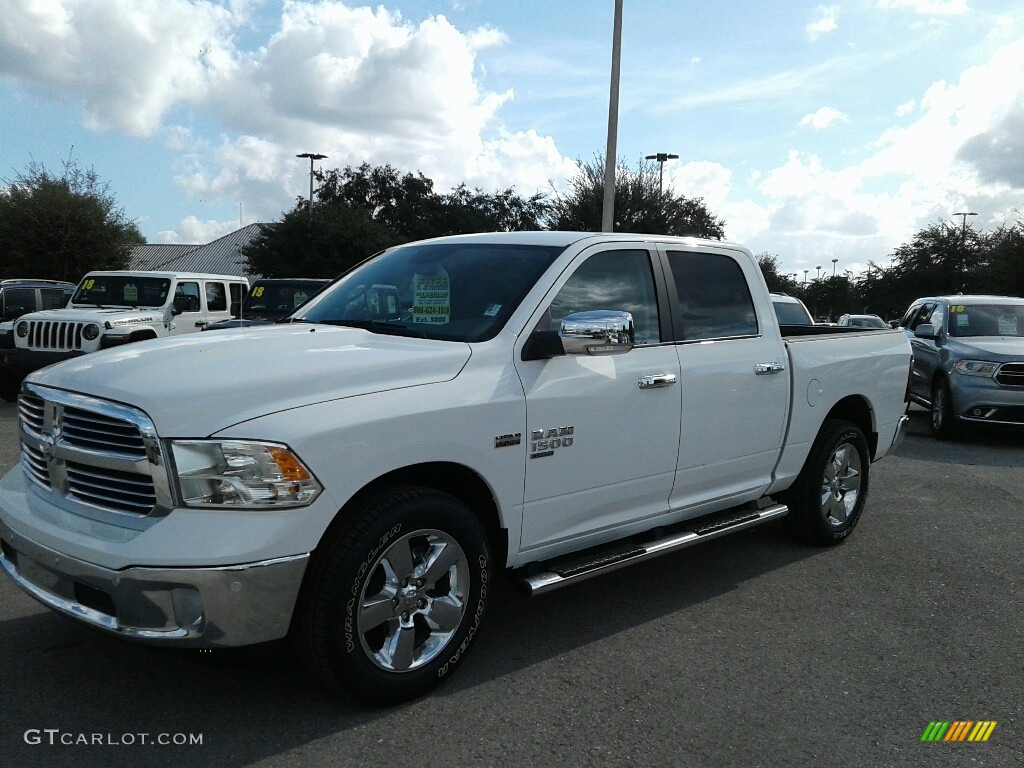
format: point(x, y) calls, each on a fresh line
point(271, 300)
point(454, 291)
point(868, 321)
point(986, 320)
point(792, 313)
point(122, 291)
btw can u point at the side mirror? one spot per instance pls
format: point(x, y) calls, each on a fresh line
point(926, 331)
point(598, 332)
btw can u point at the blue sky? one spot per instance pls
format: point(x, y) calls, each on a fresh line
point(817, 131)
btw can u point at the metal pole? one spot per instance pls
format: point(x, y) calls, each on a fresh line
point(311, 187)
point(608, 209)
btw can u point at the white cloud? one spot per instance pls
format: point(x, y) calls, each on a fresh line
point(906, 108)
point(823, 118)
point(194, 230)
point(128, 62)
point(928, 7)
point(824, 22)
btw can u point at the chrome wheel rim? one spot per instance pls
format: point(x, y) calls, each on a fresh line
point(939, 409)
point(840, 485)
point(413, 601)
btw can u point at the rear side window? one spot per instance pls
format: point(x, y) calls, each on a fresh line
point(714, 298)
point(216, 299)
point(54, 298)
point(19, 300)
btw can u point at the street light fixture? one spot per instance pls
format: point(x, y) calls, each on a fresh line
point(834, 267)
point(819, 273)
point(963, 222)
point(661, 157)
point(312, 156)
point(805, 275)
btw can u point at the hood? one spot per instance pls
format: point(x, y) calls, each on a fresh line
point(200, 383)
point(113, 315)
point(1009, 347)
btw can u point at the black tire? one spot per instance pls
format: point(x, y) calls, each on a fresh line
point(945, 424)
point(828, 496)
point(393, 602)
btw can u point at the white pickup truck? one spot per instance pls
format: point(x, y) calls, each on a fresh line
point(553, 405)
point(109, 309)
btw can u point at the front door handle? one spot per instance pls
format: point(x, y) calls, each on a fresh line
point(655, 380)
point(763, 369)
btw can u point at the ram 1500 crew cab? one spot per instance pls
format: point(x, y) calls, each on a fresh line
point(553, 405)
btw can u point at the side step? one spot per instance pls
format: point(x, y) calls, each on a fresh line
point(560, 573)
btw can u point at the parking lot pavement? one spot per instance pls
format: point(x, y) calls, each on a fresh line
point(748, 651)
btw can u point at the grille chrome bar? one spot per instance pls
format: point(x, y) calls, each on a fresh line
point(101, 455)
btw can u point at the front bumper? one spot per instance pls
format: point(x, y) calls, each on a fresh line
point(188, 607)
point(980, 400)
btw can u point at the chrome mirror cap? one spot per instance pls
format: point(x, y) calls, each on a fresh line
point(597, 332)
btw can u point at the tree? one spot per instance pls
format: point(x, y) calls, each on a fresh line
point(58, 227)
point(640, 204)
point(777, 282)
point(360, 211)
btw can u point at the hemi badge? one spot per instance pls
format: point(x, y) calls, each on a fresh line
point(504, 441)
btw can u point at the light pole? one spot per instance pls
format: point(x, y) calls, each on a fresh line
point(819, 273)
point(834, 267)
point(312, 156)
point(608, 206)
point(661, 157)
point(963, 222)
point(805, 276)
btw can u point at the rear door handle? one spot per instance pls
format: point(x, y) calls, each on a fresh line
point(655, 380)
point(764, 369)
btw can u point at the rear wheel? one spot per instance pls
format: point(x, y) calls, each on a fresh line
point(945, 424)
point(393, 603)
point(828, 496)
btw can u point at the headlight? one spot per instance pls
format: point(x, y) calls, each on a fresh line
point(241, 473)
point(976, 367)
point(22, 329)
point(90, 332)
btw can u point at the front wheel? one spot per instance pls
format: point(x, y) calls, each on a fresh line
point(828, 496)
point(394, 601)
point(945, 424)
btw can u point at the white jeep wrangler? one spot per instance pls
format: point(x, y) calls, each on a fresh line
point(113, 308)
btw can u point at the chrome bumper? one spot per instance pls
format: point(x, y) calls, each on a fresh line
point(901, 431)
point(188, 607)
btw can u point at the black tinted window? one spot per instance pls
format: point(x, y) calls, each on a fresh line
point(18, 301)
point(614, 280)
point(714, 298)
point(54, 298)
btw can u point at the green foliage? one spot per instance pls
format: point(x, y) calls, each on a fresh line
point(640, 206)
point(360, 211)
point(59, 227)
point(777, 281)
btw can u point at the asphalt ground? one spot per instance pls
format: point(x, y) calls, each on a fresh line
point(747, 651)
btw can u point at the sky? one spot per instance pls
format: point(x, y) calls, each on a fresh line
point(827, 134)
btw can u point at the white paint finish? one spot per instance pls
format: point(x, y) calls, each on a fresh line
point(733, 421)
point(196, 385)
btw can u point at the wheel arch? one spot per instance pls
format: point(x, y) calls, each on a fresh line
point(455, 479)
point(857, 410)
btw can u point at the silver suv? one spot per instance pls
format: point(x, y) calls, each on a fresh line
point(968, 360)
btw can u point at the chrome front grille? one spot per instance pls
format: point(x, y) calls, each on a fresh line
point(1011, 375)
point(65, 335)
point(123, 491)
point(99, 454)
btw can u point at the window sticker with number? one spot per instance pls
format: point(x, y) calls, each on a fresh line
point(432, 298)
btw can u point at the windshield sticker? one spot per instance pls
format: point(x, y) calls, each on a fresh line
point(431, 299)
point(299, 298)
point(131, 293)
point(962, 321)
point(957, 308)
point(492, 310)
point(1007, 325)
